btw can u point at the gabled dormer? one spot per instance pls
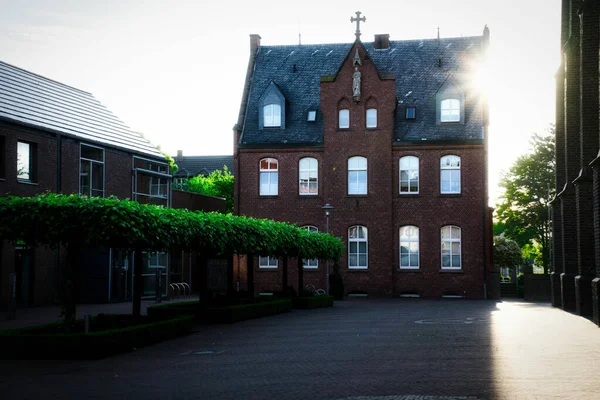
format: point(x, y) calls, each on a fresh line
point(450, 102)
point(271, 108)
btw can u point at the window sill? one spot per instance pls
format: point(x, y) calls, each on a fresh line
point(413, 270)
point(343, 129)
point(269, 269)
point(24, 182)
point(358, 269)
point(268, 196)
point(310, 269)
point(408, 194)
point(308, 196)
point(452, 271)
point(450, 194)
point(357, 195)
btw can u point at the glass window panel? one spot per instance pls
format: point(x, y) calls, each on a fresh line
point(362, 247)
point(264, 164)
point(352, 260)
point(404, 187)
point(455, 247)
point(404, 175)
point(445, 232)
point(445, 261)
point(414, 247)
point(362, 188)
point(414, 186)
point(23, 160)
point(98, 177)
point(445, 187)
point(304, 164)
point(414, 260)
point(92, 153)
point(404, 260)
point(353, 247)
point(456, 261)
point(312, 189)
point(344, 118)
point(372, 118)
point(362, 259)
point(273, 164)
point(404, 248)
point(353, 232)
point(84, 178)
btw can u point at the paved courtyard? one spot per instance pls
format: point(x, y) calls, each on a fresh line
point(360, 349)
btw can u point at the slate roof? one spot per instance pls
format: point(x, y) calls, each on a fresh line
point(414, 63)
point(201, 165)
point(38, 102)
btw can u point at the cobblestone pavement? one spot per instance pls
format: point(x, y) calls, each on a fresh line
point(407, 349)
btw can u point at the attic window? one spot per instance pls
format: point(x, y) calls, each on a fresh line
point(411, 113)
point(272, 115)
point(312, 116)
point(450, 110)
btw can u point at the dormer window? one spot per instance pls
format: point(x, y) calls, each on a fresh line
point(450, 110)
point(272, 115)
point(271, 108)
point(312, 116)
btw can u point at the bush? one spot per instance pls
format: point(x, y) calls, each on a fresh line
point(231, 314)
point(312, 302)
point(113, 334)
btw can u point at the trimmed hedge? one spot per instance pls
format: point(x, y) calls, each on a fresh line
point(55, 219)
point(51, 342)
point(311, 302)
point(231, 314)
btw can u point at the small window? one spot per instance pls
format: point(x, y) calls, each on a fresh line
point(450, 174)
point(267, 262)
point(26, 161)
point(411, 112)
point(409, 174)
point(358, 248)
point(409, 247)
point(357, 175)
point(312, 116)
point(91, 171)
point(2, 157)
point(450, 110)
point(372, 118)
point(313, 263)
point(269, 174)
point(451, 251)
point(272, 115)
point(309, 172)
point(344, 119)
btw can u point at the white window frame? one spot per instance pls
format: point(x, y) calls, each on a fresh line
point(448, 164)
point(272, 177)
point(306, 173)
point(312, 116)
point(92, 162)
point(344, 118)
point(411, 160)
point(312, 263)
point(358, 240)
point(268, 262)
point(450, 241)
point(450, 110)
point(371, 118)
point(358, 169)
point(272, 115)
point(408, 239)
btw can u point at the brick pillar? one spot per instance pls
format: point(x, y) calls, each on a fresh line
point(588, 115)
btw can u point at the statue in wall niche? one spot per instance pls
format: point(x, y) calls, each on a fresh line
point(356, 84)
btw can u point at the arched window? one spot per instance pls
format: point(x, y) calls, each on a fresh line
point(267, 262)
point(344, 118)
point(409, 174)
point(451, 251)
point(269, 174)
point(272, 115)
point(358, 248)
point(409, 247)
point(309, 172)
point(450, 110)
point(313, 263)
point(357, 175)
point(450, 174)
point(372, 118)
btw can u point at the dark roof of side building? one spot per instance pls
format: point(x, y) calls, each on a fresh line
point(35, 101)
point(418, 75)
point(201, 165)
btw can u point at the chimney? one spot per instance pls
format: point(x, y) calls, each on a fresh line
point(382, 41)
point(486, 39)
point(254, 42)
point(179, 155)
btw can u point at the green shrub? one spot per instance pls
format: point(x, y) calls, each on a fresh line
point(231, 314)
point(113, 334)
point(312, 302)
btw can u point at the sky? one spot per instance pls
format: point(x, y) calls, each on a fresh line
point(175, 70)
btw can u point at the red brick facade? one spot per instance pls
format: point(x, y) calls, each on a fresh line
point(383, 210)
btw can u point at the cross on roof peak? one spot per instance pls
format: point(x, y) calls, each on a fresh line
point(358, 20)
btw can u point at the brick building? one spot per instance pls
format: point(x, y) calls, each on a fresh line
point(56, 138)
point(575, 273)
point(190, 166)
point(393, 135)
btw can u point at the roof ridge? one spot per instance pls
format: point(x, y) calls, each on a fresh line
point(44, 78)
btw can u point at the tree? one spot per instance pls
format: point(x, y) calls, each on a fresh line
point(219, 183)
point(506, 252)
point(528, 186)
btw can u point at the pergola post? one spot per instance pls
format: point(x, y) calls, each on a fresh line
point(300, 275)
point(138, 281)
point(284, 280)
point(250, 273)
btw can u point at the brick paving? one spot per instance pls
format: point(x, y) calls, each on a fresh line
point(407, 349)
